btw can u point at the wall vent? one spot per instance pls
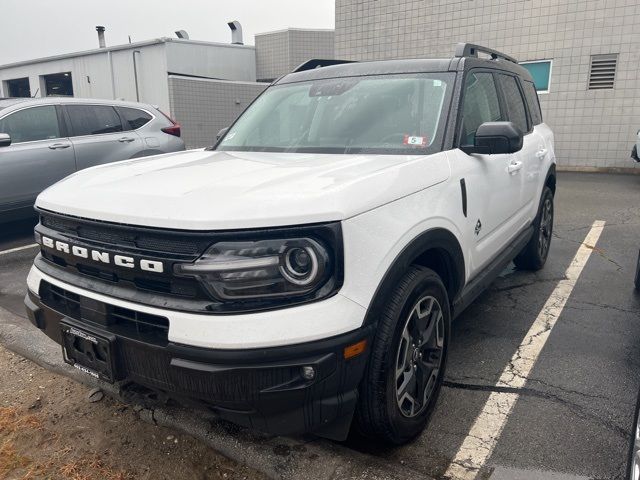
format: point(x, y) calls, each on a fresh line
point(602, 72)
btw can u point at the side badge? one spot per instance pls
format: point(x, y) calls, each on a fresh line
point(478, 226)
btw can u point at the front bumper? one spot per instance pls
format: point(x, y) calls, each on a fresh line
point(260, 388)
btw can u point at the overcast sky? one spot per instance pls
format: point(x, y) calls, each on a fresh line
point(40, 28)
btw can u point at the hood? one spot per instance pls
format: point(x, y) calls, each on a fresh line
point(213, 190)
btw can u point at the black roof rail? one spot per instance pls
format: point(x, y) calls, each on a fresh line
point(471, 50)
point(318, 63)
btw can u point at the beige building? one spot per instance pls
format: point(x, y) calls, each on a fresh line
point(281, 51)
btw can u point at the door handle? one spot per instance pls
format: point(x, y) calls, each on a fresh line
point(542, 153)
point(514, 166)
point(57, 146)
point(126, 139)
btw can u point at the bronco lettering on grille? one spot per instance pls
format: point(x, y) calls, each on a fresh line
point(102, 256)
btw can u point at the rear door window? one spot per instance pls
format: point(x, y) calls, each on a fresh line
point(516, 110)
point(31, 124)
point(480, 105)
point(93, 119)
point(134, 118)
point(533, 102)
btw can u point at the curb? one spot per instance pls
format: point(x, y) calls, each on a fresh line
point(281, 458)
point(622, 170)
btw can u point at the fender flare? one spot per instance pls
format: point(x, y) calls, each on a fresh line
point(433, 239)
point(550, 179)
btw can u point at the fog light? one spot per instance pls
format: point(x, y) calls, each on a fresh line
point(308, 373)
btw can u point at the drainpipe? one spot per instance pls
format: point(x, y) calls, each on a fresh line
point(113, 81)
point(135, 74)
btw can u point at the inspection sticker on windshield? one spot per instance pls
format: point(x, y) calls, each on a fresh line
point(410, 140)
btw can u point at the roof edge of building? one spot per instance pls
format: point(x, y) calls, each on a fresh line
point(125, 46)
point(283, 30)
point(216, 80)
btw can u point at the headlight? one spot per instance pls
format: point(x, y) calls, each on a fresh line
point(271, 270)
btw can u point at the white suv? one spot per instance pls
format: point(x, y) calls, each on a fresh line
point(302, 274)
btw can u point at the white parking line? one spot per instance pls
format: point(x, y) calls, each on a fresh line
point(17, 249)
point(485, 432)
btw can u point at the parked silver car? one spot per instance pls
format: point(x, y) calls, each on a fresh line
point(42, 140)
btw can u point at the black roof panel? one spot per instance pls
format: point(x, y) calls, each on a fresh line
point(381, 67)
point(415, 65)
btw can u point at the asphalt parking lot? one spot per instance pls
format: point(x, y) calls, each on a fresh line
point(572, 417)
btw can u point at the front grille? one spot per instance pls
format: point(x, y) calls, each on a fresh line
point(63, 236)
point(65, 302)
point(147, 240)
point(138, 242)
point(123, 321)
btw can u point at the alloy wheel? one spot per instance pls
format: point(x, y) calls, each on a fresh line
point(419, 357)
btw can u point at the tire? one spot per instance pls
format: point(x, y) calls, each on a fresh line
point(534, 255)
point(418, 307)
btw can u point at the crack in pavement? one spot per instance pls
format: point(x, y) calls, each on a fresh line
point(510, 295)
point(490, 384)
point(600, 305)
point(575, 408)
point(626, 217)
point(599, 251)
point(535, 281)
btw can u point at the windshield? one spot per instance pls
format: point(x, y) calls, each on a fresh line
point(386, 114)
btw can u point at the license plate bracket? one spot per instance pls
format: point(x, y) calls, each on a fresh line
point(88, 351)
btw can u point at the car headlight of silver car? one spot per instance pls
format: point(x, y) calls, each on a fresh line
point(283, 269)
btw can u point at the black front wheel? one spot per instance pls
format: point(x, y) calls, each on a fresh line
point(408, 358)
point(534, 255)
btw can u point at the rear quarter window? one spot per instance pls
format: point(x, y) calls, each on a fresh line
point(134, 118)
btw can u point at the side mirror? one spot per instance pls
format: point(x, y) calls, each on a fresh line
point(494, 138)
point(221, 133)
point(5, 139)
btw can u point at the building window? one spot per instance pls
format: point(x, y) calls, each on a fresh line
point(602, 72)
point(18, 87)
point(58, 85)
point(540, 71)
